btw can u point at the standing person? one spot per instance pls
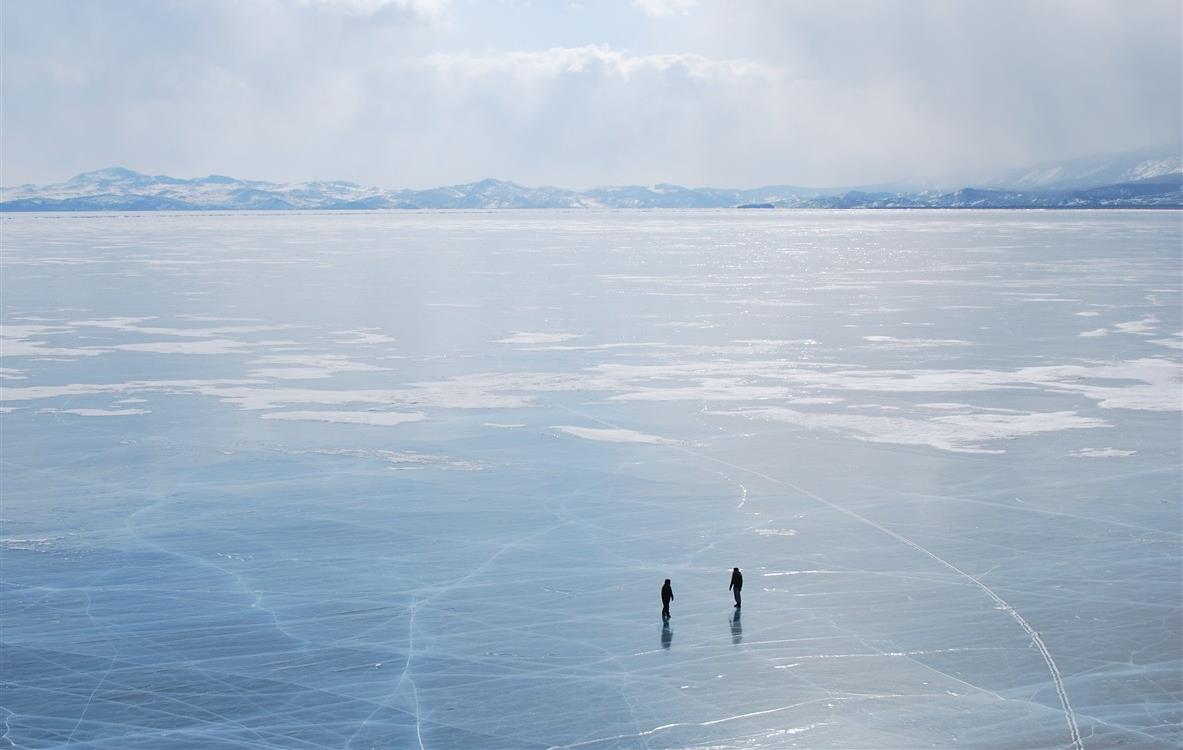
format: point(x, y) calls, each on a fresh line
point(736, 584)
point(667, 596)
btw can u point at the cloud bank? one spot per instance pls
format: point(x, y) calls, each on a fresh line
point(415, 93)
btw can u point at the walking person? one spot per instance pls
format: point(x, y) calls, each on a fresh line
point(667, 596)
point(736, 584)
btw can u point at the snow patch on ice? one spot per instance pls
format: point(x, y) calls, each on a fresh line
point(958, 433)
point(132, 325)
point(375, 418)
point(1102, 453)
point(525, 337)
point(210, 346)
point(896, 343)
point(1142, 327)
point(97, 412)
point(1172, 343)
point(615, 435)
point(307, 366)
point(364, 336)
point(26, 341)
point(31, 544)
point(397, 459)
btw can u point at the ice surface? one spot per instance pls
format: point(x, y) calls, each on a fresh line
point(436, 510)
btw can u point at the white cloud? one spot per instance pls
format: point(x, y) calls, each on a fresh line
point(419, 9)
point(595, 60)
point(659, 8)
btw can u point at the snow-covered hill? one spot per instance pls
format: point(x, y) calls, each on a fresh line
point(1140, 180)
point(1092, 171)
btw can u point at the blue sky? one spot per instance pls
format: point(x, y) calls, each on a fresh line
point(415, 93)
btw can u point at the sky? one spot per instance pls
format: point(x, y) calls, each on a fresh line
point(738, 93)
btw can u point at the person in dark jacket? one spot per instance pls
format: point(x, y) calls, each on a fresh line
point(667, 596)
point(736, 584)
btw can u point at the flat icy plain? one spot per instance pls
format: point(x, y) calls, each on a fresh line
point(415, 479)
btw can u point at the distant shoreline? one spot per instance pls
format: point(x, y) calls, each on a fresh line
point(70, 213)
point(119, 189)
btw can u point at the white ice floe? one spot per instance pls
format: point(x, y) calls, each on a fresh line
point(526, 337)
point(615, 435)
point(1102, 453)
point(376, 418)
point(960, 433)
point(11, 373)
point(1095, 333)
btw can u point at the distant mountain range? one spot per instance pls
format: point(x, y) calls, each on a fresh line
point(1092, 171)
point(1139, 179)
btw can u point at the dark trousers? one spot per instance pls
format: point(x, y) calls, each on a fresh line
point(736, 592)
point(665, 609)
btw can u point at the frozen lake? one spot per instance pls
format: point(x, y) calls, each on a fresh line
point(414, 480)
